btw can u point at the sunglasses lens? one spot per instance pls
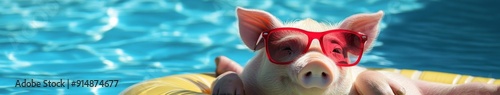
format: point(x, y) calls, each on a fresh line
point(284, 46)
point(343, 47)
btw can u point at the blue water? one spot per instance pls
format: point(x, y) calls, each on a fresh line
point(133, 41)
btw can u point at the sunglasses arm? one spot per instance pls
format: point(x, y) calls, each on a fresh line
point(258, 41)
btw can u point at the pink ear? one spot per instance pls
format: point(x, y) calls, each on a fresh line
point(366, 24)
point(252, 23)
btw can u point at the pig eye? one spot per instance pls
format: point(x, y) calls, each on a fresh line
point(337, 50)
point(284, 46)
point(287, 50)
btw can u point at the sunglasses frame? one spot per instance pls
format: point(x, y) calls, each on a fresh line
point(311, 36)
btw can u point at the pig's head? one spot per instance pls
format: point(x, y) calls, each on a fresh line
point(311, 72)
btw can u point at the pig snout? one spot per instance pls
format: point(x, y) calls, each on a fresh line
point(315, 74)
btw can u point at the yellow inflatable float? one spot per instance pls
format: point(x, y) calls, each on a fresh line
point(200, 83)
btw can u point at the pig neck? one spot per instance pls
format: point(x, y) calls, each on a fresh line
point(249, 74)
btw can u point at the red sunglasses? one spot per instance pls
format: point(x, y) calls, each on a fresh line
point(285, 45)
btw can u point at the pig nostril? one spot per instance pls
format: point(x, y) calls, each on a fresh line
point(308, 74)
point(323, 74)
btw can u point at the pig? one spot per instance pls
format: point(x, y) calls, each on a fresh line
point(313, 73)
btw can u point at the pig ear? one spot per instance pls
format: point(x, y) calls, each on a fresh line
point(366, 24)
point(252, 23)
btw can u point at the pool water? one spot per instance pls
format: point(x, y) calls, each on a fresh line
point(134, 41)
